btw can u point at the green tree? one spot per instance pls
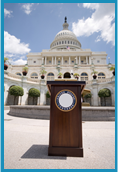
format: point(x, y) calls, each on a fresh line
point(25, 69)
point(88, 95)
point(42, 72)
point(6, 59)
point(16, 91)
point(47, 94)
point(33, 92)
point(104, 93)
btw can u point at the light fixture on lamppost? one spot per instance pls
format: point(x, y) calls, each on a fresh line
point(108, 60)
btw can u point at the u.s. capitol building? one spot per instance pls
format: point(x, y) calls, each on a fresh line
point(66, 56)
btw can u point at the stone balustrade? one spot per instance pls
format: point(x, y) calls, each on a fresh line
point(43, 112)
point(44, 81)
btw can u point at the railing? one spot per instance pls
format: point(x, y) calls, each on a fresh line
point(43, 81)
point(100, 80)
point(33, 80)
point(104, 80)
point(14, 76)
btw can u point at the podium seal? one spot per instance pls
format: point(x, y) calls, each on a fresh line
point(65, 100)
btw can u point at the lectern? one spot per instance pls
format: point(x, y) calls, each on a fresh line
point(65, 137)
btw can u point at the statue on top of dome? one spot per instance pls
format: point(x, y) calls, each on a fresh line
point(65, 19)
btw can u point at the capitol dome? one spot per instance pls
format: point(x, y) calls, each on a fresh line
point(65, 38)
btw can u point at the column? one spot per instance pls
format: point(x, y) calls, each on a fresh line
point(79, 60)
point(76, 59)
point(62, 60)
point(19, 100)
point(25, 96)
point(38, 101)
point(42, 60)
point(86, 60)
point(6, 92)
point(52, 60)
point(45, 60)
point(69, 60)
point(89, 60)
point(95, 94)
point(55, 60)
point(42, 96)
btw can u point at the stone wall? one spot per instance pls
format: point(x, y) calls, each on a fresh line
point(43, 112)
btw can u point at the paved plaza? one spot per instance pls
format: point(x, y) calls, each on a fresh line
point(26, 145)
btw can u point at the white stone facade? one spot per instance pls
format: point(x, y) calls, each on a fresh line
point(65, 55)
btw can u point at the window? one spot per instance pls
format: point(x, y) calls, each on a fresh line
point(50, 77)
point(34, 61)
point(82, 61)
point(65, 61)
point(68, 42)
point(34, 76)
point(65, 42)
point(98, 61)
point(101, 75)
point(49, 61)
point(59, 42)
point(58, 61)
point(72, 61)
point(18, 74)
point(71, 42)
point(62, 42)
point(84, 76)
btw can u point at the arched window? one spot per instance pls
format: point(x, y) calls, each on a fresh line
point(101, 75)
point(84, 76)
point(50, 77)
point(18, 74)
point(34, 76)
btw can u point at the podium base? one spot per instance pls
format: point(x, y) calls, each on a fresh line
point(62, 151)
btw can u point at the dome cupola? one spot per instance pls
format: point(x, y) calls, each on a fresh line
point(65, 38)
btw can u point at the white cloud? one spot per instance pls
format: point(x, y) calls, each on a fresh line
point(102, 21)
point(27, 7)
point(98, 39)
point(19, 62)
point(7, 13)
point(12, 45)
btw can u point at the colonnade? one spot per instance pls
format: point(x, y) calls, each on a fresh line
point(77, 60)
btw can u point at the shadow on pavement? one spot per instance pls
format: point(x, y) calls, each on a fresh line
point(40, 152)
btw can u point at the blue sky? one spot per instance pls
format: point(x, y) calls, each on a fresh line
point(31, 27)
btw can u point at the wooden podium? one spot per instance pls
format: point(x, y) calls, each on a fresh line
point(65, 138)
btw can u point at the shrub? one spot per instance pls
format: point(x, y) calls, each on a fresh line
point(48, 95)
point(112, 68)
point(25, 69)
point(104, 93)
point(88, 95)
point(60, 74)
point(42, 72)
point(76, 74)
point(16, 91)
point(33, 92)
point(94, 72)
point(6, 59)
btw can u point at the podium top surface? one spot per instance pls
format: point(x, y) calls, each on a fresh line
point(68, 83)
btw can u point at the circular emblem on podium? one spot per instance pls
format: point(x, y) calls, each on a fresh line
point(65, 100)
